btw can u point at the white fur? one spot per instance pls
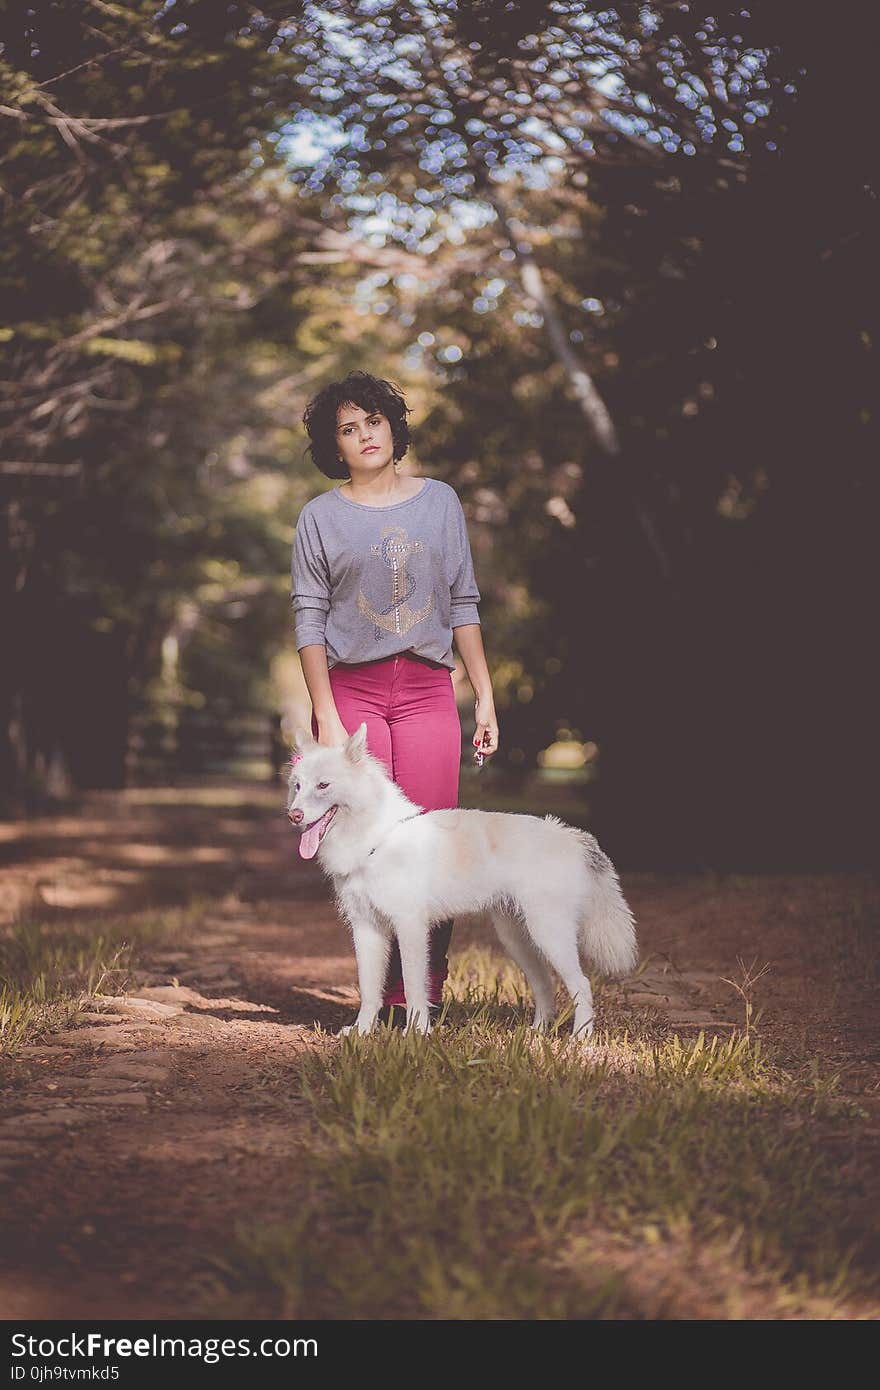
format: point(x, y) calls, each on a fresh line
point(551, 892)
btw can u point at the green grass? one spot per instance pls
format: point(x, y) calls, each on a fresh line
point(47, 969)
point(463, 1175)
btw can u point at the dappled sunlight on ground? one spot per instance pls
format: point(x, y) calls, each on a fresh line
point(152, 844)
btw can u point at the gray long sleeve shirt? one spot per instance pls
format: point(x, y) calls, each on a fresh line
point(370, 582)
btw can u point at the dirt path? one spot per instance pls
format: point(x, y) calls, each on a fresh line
point(131, 1143)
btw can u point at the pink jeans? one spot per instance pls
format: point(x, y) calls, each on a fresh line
point(409, 708)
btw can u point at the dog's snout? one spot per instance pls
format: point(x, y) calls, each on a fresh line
point(295, 817)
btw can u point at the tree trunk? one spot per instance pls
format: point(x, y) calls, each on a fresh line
point(581, 384)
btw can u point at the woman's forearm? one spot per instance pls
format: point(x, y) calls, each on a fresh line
point(469, 641)
point(317, 674)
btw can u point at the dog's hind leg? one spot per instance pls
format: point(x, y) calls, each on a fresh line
point(532, 964)
point(558, 941)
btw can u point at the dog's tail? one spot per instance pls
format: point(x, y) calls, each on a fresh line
point(608, 931)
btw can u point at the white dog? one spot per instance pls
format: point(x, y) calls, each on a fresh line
point(396, 869)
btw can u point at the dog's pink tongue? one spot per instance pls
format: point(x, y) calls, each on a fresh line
point(311, 838)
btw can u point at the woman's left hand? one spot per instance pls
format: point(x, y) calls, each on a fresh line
point(486, 732)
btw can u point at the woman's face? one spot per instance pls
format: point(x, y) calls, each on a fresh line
point(364, 439)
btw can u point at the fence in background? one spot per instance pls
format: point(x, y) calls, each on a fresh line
point(194, 743)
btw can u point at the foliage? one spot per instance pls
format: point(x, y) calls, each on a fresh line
point(156, 299)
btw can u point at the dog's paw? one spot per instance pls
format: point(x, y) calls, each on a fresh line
point(344, 1032)
point(415, 1025)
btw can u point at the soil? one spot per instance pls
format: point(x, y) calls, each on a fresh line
point(133, 1142)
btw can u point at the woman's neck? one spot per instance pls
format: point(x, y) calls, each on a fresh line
point(375, 489)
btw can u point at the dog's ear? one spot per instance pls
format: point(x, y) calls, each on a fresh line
point(303, 740)
point(356, 744)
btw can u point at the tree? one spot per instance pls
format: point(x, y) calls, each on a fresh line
point(151, 256)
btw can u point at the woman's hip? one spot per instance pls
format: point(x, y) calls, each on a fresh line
point(393, 685)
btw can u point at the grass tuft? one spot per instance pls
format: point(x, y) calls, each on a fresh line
point(444, 1176)
point(47, 969)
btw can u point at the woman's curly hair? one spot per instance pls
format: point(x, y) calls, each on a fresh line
point(372, 394)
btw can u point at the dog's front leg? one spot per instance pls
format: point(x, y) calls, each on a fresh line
point(372, 948)
point(412, 938)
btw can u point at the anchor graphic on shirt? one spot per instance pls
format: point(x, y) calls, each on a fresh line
point(394, 550)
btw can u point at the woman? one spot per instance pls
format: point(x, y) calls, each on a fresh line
point(381, 578)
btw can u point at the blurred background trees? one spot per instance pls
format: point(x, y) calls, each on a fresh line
point(618, 259)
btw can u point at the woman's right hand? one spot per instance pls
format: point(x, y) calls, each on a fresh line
point(332, 733)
